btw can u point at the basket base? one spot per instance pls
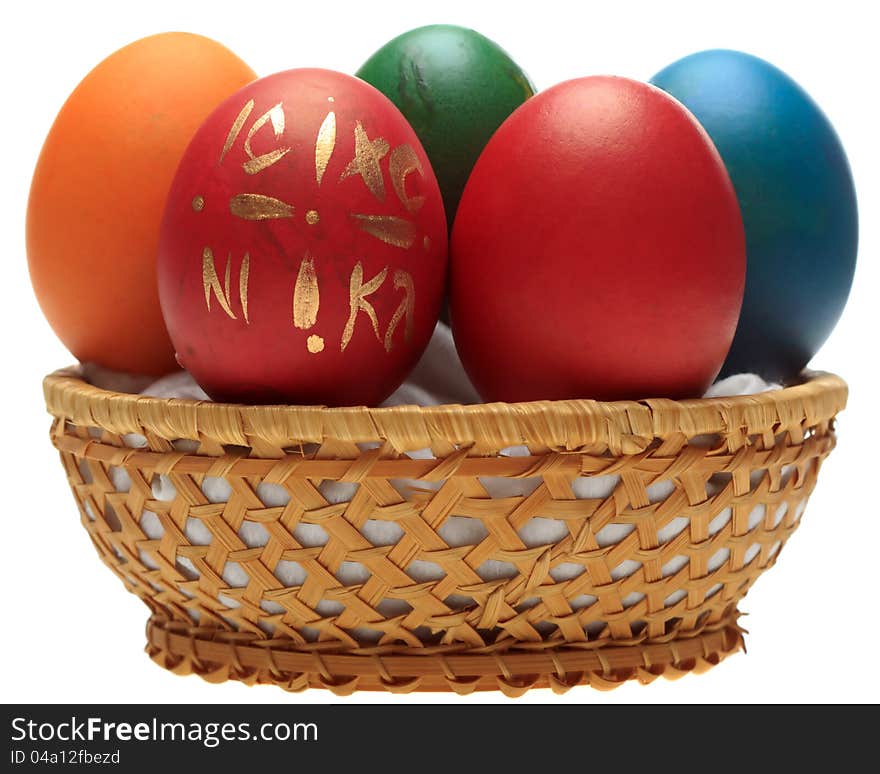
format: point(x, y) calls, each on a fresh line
point(217, 656)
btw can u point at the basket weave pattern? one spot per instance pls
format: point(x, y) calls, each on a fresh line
point(641, 581)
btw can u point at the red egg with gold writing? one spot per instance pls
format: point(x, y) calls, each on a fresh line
point(303, 249)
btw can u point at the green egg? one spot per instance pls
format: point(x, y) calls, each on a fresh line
point(455, 87)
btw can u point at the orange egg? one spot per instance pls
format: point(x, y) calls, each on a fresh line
point(99, 190)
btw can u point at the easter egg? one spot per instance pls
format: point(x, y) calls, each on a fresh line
point(303, 249)
point(798, 203)
point(455, 87)
point(598, 250)
point(99, 189)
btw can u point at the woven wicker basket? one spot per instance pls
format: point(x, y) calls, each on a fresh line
point(704, 494)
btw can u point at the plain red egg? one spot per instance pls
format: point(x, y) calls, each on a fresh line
point(303, 250)
point(598, 250)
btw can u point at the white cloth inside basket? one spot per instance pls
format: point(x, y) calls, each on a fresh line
point(438, 378)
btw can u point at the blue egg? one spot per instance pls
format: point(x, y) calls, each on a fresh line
point(797, 199)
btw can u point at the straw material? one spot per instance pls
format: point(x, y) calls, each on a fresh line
point(644, 581)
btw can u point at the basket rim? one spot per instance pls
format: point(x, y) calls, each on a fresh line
point(623, 427)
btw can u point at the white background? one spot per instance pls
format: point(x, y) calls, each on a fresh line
point(69, 630)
